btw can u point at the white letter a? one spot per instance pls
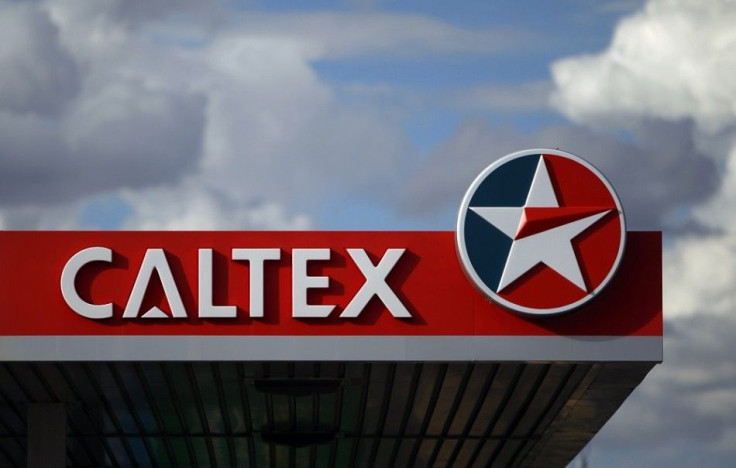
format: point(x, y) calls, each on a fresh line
point(155, 259)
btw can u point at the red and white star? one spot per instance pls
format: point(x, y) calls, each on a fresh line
point(542, 231)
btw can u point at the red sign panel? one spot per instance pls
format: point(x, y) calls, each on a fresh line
point(399, 284)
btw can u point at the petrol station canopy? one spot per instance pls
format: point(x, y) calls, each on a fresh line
point(206, 366)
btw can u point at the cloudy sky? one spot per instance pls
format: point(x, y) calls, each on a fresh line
point(377, 115)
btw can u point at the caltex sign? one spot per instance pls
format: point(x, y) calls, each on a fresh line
point(539, 232)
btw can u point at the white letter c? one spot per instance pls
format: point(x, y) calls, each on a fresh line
point(68, 287)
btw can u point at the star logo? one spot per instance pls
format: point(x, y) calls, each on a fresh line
point(540, 232)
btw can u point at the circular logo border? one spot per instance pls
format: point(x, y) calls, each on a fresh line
point(465, 260)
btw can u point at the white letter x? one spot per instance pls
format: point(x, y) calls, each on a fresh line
point(375, 284)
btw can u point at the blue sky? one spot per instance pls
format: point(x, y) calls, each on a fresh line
point(377, 115)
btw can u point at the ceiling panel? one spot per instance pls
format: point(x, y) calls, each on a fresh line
point(316, 413)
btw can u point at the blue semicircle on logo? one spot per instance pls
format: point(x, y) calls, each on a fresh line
point(487, 247)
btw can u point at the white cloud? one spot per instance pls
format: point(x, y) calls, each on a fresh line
point(275, 130)
point(38, 74)
point(333, 35)
point(700, 274)
point(525, 97)
point(674, 59)
point(42, 217)
point(121, 135)
point(195, 207)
